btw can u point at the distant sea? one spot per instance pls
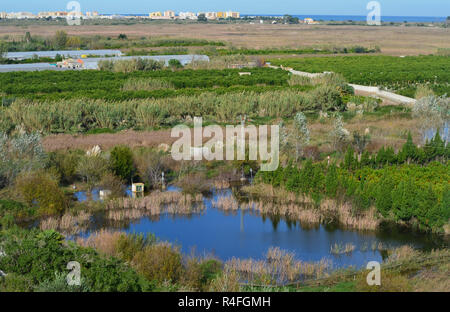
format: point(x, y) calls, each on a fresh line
point(361, 18)
point(341, 18)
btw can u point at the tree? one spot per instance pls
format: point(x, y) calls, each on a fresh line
point(340, 134)
point(122, 162)
point(40, 189)
point(409, 150)
point(22, 153)
point(122, 37)
point(289, 19)
point(360, 141)
point(92, 169)
point(383, 196)
point(28, 37)
point(60, 39)
point(173, 63)
point(202, 18)
point(298, 138)
point(350, 162)
point(3, 50)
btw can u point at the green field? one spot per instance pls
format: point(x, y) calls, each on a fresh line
point(399, 74)
point(107, 85)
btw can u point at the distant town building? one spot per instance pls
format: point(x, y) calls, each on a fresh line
point(309, 21)
point(232, 14)
point(187, 15)
point(211, 15)
point(155, 15)
point(3, 15)
point(169, 14)
point(21, 15)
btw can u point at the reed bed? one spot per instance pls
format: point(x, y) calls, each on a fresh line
point(339, 248)
point(85, 114)
point(221, 184)
point(68, 224)
point(105, 241)
point(155, 204)
point(279, 267)
point(272, 200)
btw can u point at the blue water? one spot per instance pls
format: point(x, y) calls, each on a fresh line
point(397, 19)
point(245, 234)
point(362, 18)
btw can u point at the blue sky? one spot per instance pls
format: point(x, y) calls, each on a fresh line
point(316, 7)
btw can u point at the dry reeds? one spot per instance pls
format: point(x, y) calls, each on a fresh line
point(339, 249)
point(68, 224)
point(155, 204)
point(278, 268)
point(104, 241)
point(302, 208)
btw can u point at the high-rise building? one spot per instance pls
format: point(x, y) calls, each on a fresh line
point(169, 14)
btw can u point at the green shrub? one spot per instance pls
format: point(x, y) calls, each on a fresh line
point(327, 98)
point(41, 190)
point(36, 256)
point(13, 282)
point(16, 209)
point(129, 245)
point(122, 162)
point(176, 64)
point(65, 164)
point(160, 262)
point(200, 273)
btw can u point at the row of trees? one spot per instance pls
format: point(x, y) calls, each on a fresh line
point(434, 150)
point(408, 193)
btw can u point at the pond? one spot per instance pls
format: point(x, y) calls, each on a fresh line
point(246, 234)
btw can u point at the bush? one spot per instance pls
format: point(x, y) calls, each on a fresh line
point(59, 284)
point(65, 164)
point(129, 245)
point(15, 209)
point(176, 64)
point(161, 262)
point(122, 162)
point(16, 283)
point(327, 98)
point(390, 282)
point(92, 169)
point(40, 189)
point(36, 255)
point(200, 273)
point(228, 281)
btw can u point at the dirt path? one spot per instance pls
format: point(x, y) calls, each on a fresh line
point(107, 140)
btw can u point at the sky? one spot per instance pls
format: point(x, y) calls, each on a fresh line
point(300, 7)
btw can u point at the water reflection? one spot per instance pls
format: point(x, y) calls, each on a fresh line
point(246, 233)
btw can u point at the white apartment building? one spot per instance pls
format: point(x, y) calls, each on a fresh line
point(211, 15)
point(169, 14)
point(187, 15)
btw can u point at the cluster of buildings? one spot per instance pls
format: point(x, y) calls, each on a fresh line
point(91, 15)
point(193, 16)
point(53, 15)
